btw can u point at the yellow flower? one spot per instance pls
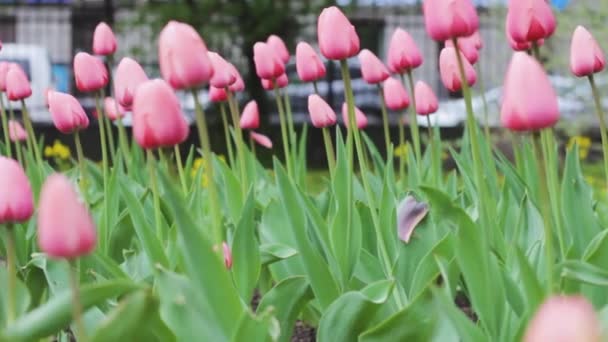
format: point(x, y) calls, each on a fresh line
point(584, 145)
point(401, 150)
point(57, 150)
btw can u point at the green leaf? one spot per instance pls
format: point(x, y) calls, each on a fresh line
point(273, 252)
point(245, 251)
point(584, 272)
point(232, 193)
point(466, 329)
point(349, 315)
point(22, 298)
point(256, 328)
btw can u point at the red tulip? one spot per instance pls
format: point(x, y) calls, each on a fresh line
point(182, 55)
point(261, 139)
point(67, 113)
point(4, 66)
point(279, 47)
point(403, 53)
point(395, 95)
point(217, 94)
point(250, 119)
point(372, 68)
point(268, 65)
point(447, 19)
point(222, 74)
point(426, 101)
point(360, 118)
point(157, 116)
point(16, 199)
point(89, 72)
point(337, 37)
point(586, 56)
point(129, 75)
point(529, 101)
point(309, 66)
point(565, 319)
point(17, 85)
point(104, 42)
point(320, 112)
point(112, 109)
point(468, 47)
point(450, 73)
point(530, 20)
point(16, 132)
point(65, 226)
point(281, 82)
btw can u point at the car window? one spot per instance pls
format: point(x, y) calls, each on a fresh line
point(23, 63)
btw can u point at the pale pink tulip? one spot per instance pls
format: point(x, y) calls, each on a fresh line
point(450, 73)
point(67, 113)
point(403, 53)
point(426, 100)
point(17, 85)
point(261, 139)
point(360, 118)
point(222, 73)
point(468, 48)
point(279, 47)
point(16, 199)
point(530, 20)
point(309, 66)
point(268, 65)
point(395, 95)
point(16, 132)
point(337, 37)
point(250, 119)
point(4, 66)
point(447, 19)
point(586, 56)
point(113, 109)
point(90, 72)
point(238, 85)
point(104, 41)
point(129, 75)
point(321, 114)
point(372, 68)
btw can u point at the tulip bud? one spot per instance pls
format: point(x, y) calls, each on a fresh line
point(395, 95)
point(261, 139)
point(222, 73)
point(129, 75)
point(279, 47)
point(217, 94)
point(403, 53)
point(67, 113)
point(372, 68)
point(450, 73)
point(112, 109)
point(468, 48)
point(360, 118)
point(16, 199)
point(447, 19)
point(16, 132)
point(320, 112)
point(586, 56)
point(227, 255)
point(238, 85)
point(89, 72)
point(17, 85)
point(530, 20)
point(268, 65)
point(250, 119)
point(4, 66)
point(104, 42)
point(309, 66)
point(426, 100)
point(337, 37)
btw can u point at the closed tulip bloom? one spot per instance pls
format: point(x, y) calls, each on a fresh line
point(281, 82)
point(515, 45)
point(104, 42)
point(17, 85)
point(403, 53)
point(113, 109)
point(565, 319)
point(16, 199)
point(65, 226)
point(337, 37)
point(129, 75)
point(447, 19)
point(261, 139)
point(530, 20)
point(16, 132)
point(529, 101)
point(222, 74)
point(157, 116)
point(309, 66)
point(217, 94)
point(279, 47)
point(395, 95)
point(426, 100)
point(238, 84)
point(227, 255)
point(321, 114)
point(67, 113)
point(89, 72)
point(372, 68)
point(468, 48)
point(450, 73)
point(4, 66)
point(250, 119)
point(360, 118)
point(182, 56)
point(586, 56)
point(268, 65)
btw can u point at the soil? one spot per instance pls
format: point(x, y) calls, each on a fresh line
point(464, 304)
point(303, 333)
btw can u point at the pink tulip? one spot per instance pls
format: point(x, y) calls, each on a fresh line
point(227, 255)
point(104, 42)
point(17, 85)
point(268, 65)
point(16, 132)
point(586, 56)
point(309, 66)
point(4, 66)
point(217, 94)
point(67, 113)
point(516, 46)
point(222, 74)
point(279, 47)
point(238, 85)
point(129, 75)
point(261, 139)
point(281, 82)
point(529, 101)
point(89, 72)
point(16, 199)
point(395, 95)
point(403, 53)
point(65, 226)
point(360, 118)
point(372, 68)
point(565, 319)
point(321, 114)
point(157, 116)
point(182, 55)
point(112, 109)
point(450, 73)
point(447, 19)
point(337, 37)
point(530, 20)
point(250, 119)
point(468, 48)
point(426, 100)
point(476, 38)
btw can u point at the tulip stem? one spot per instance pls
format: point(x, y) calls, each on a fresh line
point(104, 231)
point(19, 153)
point(106, 121)
point(31, 138)
point(180, 168)
point(485, 103)
point(284, 134)
point(227, 134)
point(80, 332)
point(602, 119)
point(5, 129)
point(122, 132)
point(11, 265)
point(208, 157)
point(329, 150)
point(240, 143)
point(413, 120)
point(434, 159)
point(553, 186)
point(293, 141)
point(387, 136)
point(80, 155)
point(315, 86)
point(402, 145)
point(155, 194)
point(544, 197)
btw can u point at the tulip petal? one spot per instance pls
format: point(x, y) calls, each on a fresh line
point(409, 214)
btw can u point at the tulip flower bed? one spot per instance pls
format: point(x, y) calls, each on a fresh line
point(145, 246)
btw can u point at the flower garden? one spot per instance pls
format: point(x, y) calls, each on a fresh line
point(151, 245)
